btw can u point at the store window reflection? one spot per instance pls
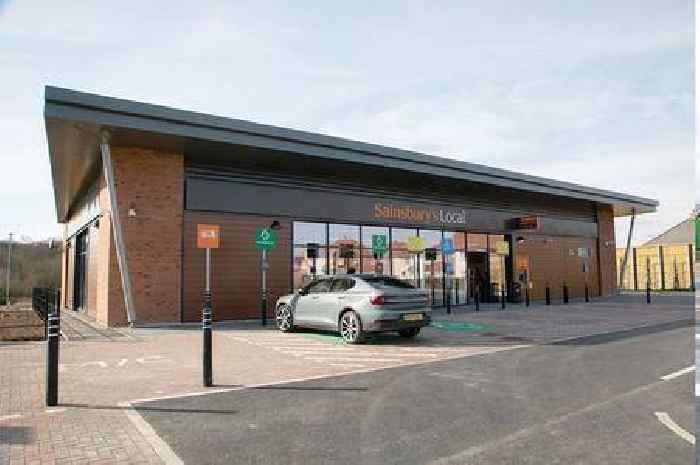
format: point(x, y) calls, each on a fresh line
point(455, 269)
point(404, 264)
point(344, 248)
point(370, 263)
point(499, 249)
point(306, 237)
point(431, 278)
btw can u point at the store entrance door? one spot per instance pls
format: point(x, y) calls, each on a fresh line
point(477, 265)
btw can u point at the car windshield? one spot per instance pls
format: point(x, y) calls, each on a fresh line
point(380, 282)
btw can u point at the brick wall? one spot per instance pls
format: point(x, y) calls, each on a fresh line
point(236, 277)
point(606, 249)
point(151, 183)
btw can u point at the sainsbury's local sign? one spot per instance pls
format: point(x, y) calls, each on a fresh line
point(419, 215)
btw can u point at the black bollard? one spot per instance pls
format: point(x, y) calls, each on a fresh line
point(648, 294)
point(585, 292)
point(503, 299)
point(547, 297)
point(566, 294)
point(52, 346)
point(476, 301)
point(449, 300)
point(206, 340)
point(527, 296)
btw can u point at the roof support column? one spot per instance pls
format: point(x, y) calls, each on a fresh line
point(117, 228)
point(627, 250)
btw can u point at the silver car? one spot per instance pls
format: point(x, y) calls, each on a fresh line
point(354, 305)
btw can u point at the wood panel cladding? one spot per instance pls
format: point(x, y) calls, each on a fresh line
point(556, 261)
point(236, 275)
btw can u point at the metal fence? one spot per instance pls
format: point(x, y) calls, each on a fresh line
point(661, 267)
point(44, 302)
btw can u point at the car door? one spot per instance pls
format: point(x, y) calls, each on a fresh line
point(307, 311)
point(334, 300)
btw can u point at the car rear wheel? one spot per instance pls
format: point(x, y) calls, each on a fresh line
point(350, 327)
point(409, 332)
point(284, 318)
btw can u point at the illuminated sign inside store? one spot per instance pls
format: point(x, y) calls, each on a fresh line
point(387, 211)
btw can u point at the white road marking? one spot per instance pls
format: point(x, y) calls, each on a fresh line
point(122, 362)
point(306, 352)
point(668, 422)
point(328, 358)
point(55, 410)
point(678, 373)
point(159, 446)
point(10, 417)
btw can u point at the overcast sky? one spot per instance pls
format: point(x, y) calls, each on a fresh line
point(597, 92)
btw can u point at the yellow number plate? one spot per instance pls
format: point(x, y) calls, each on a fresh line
point(413, 317)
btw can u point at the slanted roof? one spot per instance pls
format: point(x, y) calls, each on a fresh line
point(74, 120)
point(682, 233)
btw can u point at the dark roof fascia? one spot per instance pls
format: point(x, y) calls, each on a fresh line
point(79, 106)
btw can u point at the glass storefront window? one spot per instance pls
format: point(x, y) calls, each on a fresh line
point(303, 266)
point(498, 251)
point(344, 248)
point(369, 263)
point(477, 266)
point(455, 267)
point(431, 277)
point(404, 263)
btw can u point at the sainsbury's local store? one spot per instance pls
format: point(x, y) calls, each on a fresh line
point(132, 181)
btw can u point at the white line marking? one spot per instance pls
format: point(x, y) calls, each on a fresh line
point(159, 446)
point(668, 422)
point(332, 358)
point(122, 362)
point(307, 352)
point(678, 373)
point(10, 417)
point(55, 410)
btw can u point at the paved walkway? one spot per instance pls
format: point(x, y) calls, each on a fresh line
point(100, 372)
point(75, 326)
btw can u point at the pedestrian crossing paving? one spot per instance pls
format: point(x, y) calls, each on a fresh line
point(383, 352)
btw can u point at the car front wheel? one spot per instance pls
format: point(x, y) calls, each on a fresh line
point(284, 318)
point(351, 327)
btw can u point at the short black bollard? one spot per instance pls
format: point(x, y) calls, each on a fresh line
point(648, 294)
point(585, 293)
point(527, 297)
point(476, 301)
point(449, 301)
point(52, 347)
point(547, 297)
point(503, 299)
point(566, 294)
point(206, 340)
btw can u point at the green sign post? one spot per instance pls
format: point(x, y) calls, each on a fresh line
point(265, 238)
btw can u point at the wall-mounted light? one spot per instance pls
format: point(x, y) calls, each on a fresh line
point(275, 225)
point(132, 212)
point(520, 240)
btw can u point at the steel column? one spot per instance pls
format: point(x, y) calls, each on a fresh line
point(117, 228)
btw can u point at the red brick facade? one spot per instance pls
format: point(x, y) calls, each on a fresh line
point(150, 183)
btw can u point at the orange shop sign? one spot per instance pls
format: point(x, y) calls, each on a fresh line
point(208, 236)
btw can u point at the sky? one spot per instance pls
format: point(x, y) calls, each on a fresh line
point(599, 93)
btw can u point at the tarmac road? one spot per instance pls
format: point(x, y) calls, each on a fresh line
point(589, 401)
